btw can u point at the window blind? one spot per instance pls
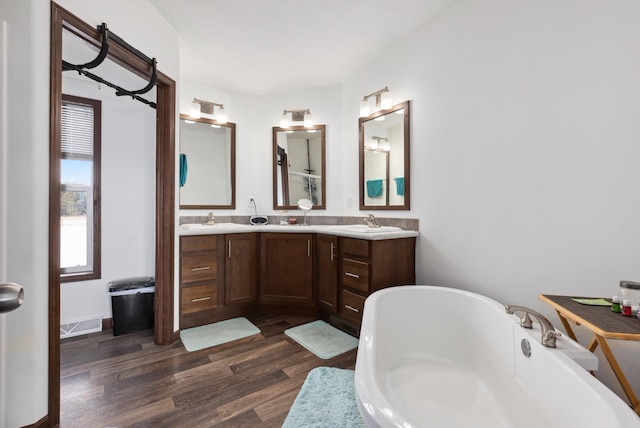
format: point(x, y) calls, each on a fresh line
point(77, 131)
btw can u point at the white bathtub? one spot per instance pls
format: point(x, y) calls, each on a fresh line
point(441, 357)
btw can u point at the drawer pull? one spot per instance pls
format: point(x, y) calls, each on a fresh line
point(200, 299)
point(352, 275)
point(332, 253)
point(200, 268)
point(352, 308)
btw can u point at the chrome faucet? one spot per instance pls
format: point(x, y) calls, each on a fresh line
point(549, 334)
point(371, 221)
point(211, 219)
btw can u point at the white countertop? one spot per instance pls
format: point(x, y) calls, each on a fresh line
point(349, 231)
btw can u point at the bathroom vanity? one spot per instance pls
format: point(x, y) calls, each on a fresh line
point(325, 271)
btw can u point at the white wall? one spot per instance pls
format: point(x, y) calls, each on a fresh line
point(128, 198)
point(26, 181)
point(524, 155)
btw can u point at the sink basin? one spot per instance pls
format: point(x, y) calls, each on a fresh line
point(363, 228)
point(204, 226)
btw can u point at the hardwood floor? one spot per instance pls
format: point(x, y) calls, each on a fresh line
point(127, 381)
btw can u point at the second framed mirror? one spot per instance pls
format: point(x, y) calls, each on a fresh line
point(299, 166)
point(384, 159)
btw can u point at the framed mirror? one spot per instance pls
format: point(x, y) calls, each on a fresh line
point(384, 159)
point(207, 170)
point(298, 166)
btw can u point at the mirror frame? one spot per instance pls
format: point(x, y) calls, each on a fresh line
point(407, 142)
point(323, 180)
point(232, 127)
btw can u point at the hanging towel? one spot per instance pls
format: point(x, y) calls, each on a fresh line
point(400, 186)
point(183, 169)
point(374, 188)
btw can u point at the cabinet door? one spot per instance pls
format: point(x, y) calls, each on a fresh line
point(286, 268)
point(327, 271)
point(241, 268)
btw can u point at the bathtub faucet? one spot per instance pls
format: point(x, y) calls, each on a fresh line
point(549, 334)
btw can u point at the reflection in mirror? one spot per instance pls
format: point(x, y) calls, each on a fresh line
point(384, 159)
point(298, 166)
point(207, 164)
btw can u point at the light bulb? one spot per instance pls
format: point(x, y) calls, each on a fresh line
point(385, 100)
point(308, 120)
point(284, 121)
point(194, 112)
point(222, 116)
point(365, 110)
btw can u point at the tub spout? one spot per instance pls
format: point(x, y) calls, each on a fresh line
point(549, 334)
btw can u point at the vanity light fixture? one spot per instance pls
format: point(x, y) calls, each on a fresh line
point(207, 107)
point(383, 101)
point(374, 144)
point(296, 116)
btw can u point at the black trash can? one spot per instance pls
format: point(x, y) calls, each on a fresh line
point(132, 304)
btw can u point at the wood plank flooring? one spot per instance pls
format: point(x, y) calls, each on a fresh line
point(127, 381)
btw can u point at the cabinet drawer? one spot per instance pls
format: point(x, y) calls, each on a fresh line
point(199, 298)
point(352, 306)
point(357, 247)
point(198, 267)
point(198, 243)
point(355, 274)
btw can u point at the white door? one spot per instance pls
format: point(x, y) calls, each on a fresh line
point(24, 206)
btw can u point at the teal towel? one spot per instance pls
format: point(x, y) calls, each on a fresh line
point(400, 186)
point(183, 169)
point(374, 188)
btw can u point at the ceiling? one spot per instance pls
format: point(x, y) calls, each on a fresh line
point(265, 46)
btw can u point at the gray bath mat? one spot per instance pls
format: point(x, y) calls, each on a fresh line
point(322, 339)
point(205, 336)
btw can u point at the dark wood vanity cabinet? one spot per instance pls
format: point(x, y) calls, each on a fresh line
point(286, 268)
point(226, 276)
point(326, 268)
point(201, 275)
point(241, 269)
point(368, 266)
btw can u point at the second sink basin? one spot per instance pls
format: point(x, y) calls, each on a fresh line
point(363, 228)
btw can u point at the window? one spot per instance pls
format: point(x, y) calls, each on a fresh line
point(80, 189)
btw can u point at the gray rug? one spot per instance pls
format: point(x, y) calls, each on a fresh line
point(205, 336)
point(327, 399)
point(322, 339)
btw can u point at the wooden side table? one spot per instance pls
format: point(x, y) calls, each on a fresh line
point(604, 325)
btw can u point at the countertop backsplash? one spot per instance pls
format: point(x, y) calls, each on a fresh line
point(403, 223)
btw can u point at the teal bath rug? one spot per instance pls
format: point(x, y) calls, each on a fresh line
point(327, 399)
point(205, 336)
point(322, 339)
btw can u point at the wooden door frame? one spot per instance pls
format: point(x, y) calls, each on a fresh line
point(165, 190)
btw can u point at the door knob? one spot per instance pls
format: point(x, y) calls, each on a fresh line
point(11, 297)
